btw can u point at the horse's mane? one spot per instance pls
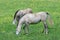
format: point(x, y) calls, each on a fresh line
point(15, 13)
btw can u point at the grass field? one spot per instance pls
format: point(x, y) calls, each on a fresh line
point(8, 8)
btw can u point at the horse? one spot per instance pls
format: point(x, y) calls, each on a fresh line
point(20, 13)
point(34, 18)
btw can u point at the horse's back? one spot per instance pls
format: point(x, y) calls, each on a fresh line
point(43, 15)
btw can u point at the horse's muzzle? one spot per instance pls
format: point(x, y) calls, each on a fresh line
point(14, 22)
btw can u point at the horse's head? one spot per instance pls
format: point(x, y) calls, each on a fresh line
point(20, 13)
point(16, 16)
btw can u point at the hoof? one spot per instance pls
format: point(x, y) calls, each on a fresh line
point(17, 33)
point(26, 33)
point(46, 33)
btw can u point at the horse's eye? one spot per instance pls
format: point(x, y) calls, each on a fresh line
point(18, 16)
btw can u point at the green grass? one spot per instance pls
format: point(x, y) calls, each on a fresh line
point(9, 7)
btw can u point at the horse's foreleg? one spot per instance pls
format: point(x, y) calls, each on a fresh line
point(45, 28)
point(26, 28)
point(18, 29)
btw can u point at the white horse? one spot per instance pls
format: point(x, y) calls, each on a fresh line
point(20, 13)
point(31, 19)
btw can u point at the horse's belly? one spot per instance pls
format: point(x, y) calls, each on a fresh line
point(35, 20)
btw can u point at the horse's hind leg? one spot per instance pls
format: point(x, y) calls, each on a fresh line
point(45, 27)
point(26, 28)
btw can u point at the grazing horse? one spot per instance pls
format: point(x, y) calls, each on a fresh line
point(20, 13)
point(33, 19)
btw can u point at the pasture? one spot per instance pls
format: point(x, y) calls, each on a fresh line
point(8, 9)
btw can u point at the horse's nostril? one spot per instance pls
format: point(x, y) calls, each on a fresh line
point(14, 22)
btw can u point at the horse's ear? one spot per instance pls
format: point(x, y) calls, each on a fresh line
point(15, 13)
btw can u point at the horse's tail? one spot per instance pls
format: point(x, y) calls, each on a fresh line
point(50, 19)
